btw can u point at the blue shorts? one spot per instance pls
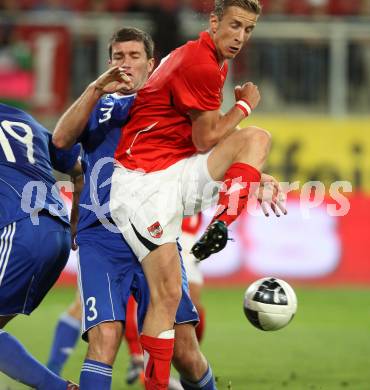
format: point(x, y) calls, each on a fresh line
point(31, 260)
point(109, 273)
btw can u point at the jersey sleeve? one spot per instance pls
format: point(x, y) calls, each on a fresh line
point(91, 123)
point(198, 87)
point(63, 160)
point(109, 112)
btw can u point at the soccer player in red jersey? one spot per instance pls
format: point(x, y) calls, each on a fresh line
point(174, 152)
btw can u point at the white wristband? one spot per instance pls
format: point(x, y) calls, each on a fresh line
point(244, 106)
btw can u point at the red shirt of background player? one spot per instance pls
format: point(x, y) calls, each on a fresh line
point(192, 224)
point(159, 131)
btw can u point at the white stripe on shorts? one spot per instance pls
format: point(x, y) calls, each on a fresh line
point(79, 281)
point(6, 248)
point(3, 240)
point(110, 296)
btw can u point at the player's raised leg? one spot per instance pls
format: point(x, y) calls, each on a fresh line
point(237, 161)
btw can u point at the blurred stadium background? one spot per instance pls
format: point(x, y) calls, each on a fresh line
point(311, 59)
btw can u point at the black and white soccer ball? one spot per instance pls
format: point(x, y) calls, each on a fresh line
point(270, 303)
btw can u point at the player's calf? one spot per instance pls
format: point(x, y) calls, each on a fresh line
point(104, 341)
point(158, 352)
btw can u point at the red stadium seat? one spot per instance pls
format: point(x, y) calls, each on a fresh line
point(27, 4)
point(298, 7)
point(204, 6)
point(80, 5)
point(344, 7)
point(118, 5)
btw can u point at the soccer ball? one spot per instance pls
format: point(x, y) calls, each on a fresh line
point(270, 303)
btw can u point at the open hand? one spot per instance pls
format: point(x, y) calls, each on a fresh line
point(270, 195)
point(114, 80)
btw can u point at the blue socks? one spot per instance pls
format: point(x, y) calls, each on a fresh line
point(66, 335)
point(18, 364)
point(95, 375)
point(207, 382)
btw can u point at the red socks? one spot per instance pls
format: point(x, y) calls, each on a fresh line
point(199, 329)
point(131, 332)
point(238, 179)
point(158, 354)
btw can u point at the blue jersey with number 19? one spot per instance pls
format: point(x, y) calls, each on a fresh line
point(99, 141)
point(27, 159)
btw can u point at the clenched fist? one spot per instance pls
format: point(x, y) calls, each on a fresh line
point(249, 92)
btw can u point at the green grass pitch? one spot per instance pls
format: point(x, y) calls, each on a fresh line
point(326, 347)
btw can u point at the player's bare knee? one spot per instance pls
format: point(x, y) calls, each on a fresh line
point(261, 138)
point(255, 142)
point(251, 139)
point(256, 135)
point(106, 335)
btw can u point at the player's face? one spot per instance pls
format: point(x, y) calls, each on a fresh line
point(131, 56)
point(232, 32)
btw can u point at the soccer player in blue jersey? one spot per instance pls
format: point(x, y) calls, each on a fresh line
point(108, 270)
point(31, 212)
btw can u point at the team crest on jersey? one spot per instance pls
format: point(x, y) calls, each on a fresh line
point(155, 230)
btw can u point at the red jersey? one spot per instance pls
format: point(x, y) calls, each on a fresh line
point(159, 132)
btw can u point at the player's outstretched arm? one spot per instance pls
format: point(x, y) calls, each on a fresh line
point(72, 123)
point(209, 127)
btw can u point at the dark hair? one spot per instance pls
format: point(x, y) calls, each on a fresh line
point(249, 5)
point(133, 34)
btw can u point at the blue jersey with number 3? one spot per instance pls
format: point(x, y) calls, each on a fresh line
point(27, 159)
point(99, 142)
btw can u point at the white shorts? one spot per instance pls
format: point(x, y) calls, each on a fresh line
point(191, 265)
point(148, 208)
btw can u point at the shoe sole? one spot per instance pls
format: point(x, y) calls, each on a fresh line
point(213, 241)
